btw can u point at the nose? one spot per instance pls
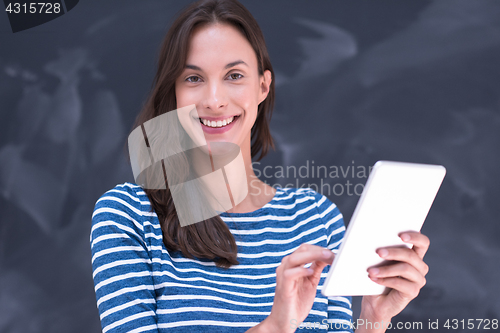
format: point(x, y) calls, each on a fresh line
point(215, 97)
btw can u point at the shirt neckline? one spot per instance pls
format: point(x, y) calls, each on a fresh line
point(255, 212)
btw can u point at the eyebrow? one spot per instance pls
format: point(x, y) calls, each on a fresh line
point(231, 64)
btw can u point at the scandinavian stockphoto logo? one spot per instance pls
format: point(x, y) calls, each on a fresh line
point(28, 14)
point(204, 178)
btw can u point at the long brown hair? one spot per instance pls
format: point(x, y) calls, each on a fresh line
point(211, 238)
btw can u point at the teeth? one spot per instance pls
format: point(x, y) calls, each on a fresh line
point(219, 123)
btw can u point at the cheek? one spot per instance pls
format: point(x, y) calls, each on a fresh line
point(246, 98)
point(182, 96)
point(186, 96)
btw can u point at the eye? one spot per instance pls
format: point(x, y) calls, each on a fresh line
point(196, 79)
point(235, 76)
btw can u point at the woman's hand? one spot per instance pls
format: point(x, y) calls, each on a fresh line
point(406, 277)
point(296, 287)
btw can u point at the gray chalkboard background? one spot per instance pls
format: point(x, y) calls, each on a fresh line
point(415, 81)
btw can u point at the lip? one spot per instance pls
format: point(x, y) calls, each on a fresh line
point(217, 118)
point(218, 130)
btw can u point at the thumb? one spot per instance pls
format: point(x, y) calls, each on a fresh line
point(317, 267)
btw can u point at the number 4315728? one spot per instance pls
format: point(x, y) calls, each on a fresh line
point(34, 7)
point(485, 324)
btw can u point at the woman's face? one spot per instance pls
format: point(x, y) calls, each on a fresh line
point(221, 79)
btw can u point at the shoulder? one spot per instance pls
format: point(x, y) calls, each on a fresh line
point(127, 197)
point(123, 206)
point(122, 195)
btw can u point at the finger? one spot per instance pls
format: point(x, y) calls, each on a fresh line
point(420, 242)
point(405, 255)
point(302, 257)
point(317, 267)
point(296, 273)
point(407, 288)
point(400, 269)
point(304, 247)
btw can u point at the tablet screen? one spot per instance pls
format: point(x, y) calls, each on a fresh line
point(396, 198)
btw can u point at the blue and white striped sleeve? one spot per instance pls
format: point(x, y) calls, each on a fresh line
point(339, 307)
point(121, 264)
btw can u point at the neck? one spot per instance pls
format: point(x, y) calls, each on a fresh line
point(259, 193)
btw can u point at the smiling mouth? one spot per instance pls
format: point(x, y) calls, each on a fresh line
point(218, 123)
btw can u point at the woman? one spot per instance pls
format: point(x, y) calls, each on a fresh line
point(245, 269)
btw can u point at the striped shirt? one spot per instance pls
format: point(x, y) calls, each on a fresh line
point(142, 287)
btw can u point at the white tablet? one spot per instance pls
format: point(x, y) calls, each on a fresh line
point(396, 198)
